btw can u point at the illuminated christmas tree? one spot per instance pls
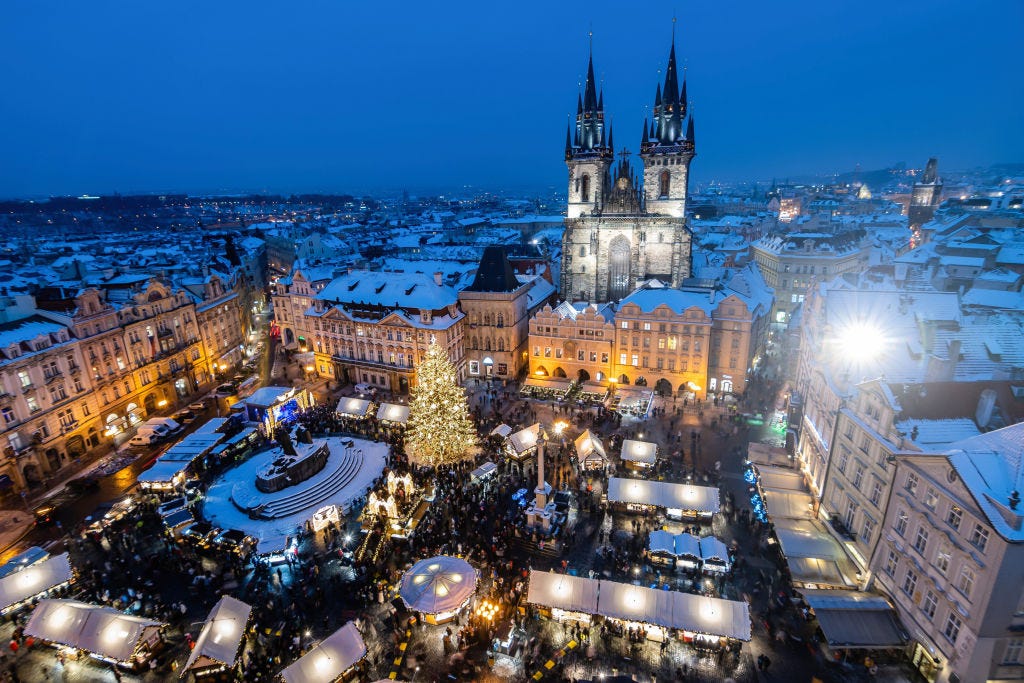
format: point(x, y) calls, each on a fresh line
point(439, 431)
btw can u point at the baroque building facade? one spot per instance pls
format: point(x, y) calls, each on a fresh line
point(620, 231)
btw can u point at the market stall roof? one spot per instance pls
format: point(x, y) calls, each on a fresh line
point(781, 479)
point(502, 430)
point(806, 538)
point(525, 439)
point(28, 558)
point(639, 451)
point(393, 412)
point(32, 580)
point(663, 494)
point(100, 630)
point(662, 542)
point(587, 444)
point(484, 470)
point(563, 591)
point(162, 472)
point(670, 609)
point(265, 397)
point(221, 635)
point(712, 547)
point(854, 619)
point(787, 504)
point(354, 407)
point(328, 659)
point(559, 385)
point(631, 395)
point(438, 584)
point(596, 388)
point(763, 454)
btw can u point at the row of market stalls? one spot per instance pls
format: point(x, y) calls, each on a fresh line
point(686, 551)
point(822, 571)
point(704, 621)
point(359, 408)
point(31, 575)
point(170, 469)
point(678, 500)
point(624, 398)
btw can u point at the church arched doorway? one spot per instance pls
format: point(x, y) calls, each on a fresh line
point(618, 267)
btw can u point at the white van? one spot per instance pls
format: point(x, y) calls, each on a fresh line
point(165, 426)
point(143, 439)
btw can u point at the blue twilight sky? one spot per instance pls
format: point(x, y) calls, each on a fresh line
point(131, 96)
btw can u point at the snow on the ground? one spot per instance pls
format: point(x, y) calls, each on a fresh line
point(273, 534)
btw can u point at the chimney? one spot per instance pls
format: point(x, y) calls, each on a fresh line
point(438, 279)
point(986, 404)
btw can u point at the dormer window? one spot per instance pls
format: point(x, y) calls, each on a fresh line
point(425, 317)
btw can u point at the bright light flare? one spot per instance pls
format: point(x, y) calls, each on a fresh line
point(861, 342)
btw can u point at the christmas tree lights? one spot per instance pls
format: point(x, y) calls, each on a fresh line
point(439, 431)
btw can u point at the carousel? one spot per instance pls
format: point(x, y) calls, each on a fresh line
point(438, 587)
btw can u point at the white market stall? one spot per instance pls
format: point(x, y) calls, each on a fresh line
point(714, 555)
point(639, 454)
point(32, 556)
point(484, 471)
point(632, 400)
point(681, 550)
point(815, 558)
point(590, 451)
point(353, 407)
point(438, 587)
point(567, 597)
point(679, 500)
point(546, 388)
point(22, 585)
point(502, 430)
point(217, 646)
point(101, 631)
point(703, 620)
point(331, 659)
point(523, 444)
point(393, 412)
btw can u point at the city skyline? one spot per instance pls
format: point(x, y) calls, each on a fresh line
point(108, 98)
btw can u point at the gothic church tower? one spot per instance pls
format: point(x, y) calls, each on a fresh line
point(622, 228)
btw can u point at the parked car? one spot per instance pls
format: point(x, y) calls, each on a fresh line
point(198, 406)
point(226, 389)
point(143, 440)
point(363, 388)
point(44, 511)
point(83, 484)
point(184, 417)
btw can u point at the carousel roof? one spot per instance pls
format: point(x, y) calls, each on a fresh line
point(438, 584)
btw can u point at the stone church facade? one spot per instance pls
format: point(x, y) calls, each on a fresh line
point(623, 228)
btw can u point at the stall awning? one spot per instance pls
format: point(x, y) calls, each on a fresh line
point(781, 479)
point(787, 504)
point(221, 635)
point(712, 548)
point(853, 619)
point(502, 430)
point(26, 583)
point(763, 454)
point(485, 470)
point(525, 439)
point(639, 451)
point(28, 558)
point(100, 630)
point(163, 472)
point(668, 609)
point(562, 591)
point(663, 494)
point(588, 445)
point(329, 659)
point(557, 385)
point(813, 555)
point(393, 412)
point(353, 407)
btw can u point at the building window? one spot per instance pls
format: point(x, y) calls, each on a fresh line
point(9, 416)
point(931, 499)
point(979, 537)
point(876, 492)
point(636, 360)
point(622, 359)
point(929, 604)
point(844, 457)
point(901, 522)
point(952, 629)
point(954, 517)
point(867, 530)
point(858, 477)
point(25, 380)
point(942, 560)
point(912, 482)
point(921, 542)
point(891, 562)
point(1014, 650)
point(965, 582)
point(910, 582)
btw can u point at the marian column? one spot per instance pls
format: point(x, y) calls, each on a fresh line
point(541, 490)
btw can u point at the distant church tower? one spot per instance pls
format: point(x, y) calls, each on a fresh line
point(620, 231)
point(925, 196)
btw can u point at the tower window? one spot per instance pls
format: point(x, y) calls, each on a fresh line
point(585, 189)
point(664, 184)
